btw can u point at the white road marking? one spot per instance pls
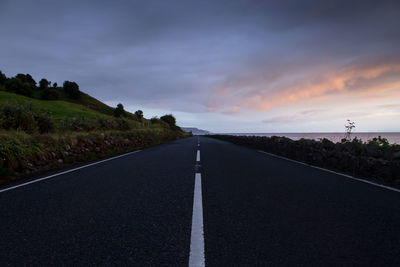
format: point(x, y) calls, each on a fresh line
point(64, 172)
point(196, 257)
point(198, 155)
point(338, 173)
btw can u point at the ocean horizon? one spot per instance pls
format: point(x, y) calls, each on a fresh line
point(392, 137)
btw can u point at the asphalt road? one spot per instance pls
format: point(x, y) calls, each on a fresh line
point(257, 210)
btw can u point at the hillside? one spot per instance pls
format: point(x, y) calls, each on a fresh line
point(24, 84)
point(44, 128)
point(59, 109)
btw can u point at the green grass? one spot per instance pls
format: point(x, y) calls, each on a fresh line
point(86, 101)
point(59, 109)
point(89, 102)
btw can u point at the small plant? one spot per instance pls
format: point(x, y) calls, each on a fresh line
point(348, 128)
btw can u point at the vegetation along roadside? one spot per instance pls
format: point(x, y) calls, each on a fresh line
point(45, 127)
point(376, 159)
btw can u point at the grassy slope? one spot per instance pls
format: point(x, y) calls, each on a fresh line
point(59, 109)
point(87, 101)
point(90, 102)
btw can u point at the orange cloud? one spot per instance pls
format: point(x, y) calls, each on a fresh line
point(257, 94)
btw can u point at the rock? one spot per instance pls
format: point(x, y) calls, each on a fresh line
point(396, 155)
point(60, 161)
point(74, 141)
point(67, 147)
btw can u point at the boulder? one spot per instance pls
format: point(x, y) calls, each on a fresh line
point(396, 155)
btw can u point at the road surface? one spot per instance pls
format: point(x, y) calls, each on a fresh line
point(248, 209)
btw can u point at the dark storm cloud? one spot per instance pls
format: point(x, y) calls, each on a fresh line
point(194, 55)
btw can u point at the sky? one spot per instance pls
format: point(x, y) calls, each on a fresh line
point(223, 66)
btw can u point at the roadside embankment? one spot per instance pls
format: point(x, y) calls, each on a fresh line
point(374, 160)
point(22, 154)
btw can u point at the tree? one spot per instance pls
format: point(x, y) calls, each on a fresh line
point(43, 83)
point(3, 78)
point(55, 85)
point(17, 86)
point(26, 78)
point(50, 94)
point(119, 111)
point(72, 89)
point(154, 120)
point(139, 115)
point(170, 119)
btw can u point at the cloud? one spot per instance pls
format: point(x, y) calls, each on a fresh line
point(390, 106)
point(205, 57)
point(282, 119)
point(312, 111)
point(258, 92)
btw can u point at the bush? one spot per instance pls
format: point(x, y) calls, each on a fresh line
point(27, 78)
point(17, 86)
point(45, 123)
point(154, 120)
point(19, 117)
point(170, 119)
point(72, 89)
point(3, 78)
point(22, 117)
point(139, 115)
point(43, 83)
point(106, 124)
point(77, 124)
point(123, 125)
point(50, 94)
point(119, 111)
point(379, 141)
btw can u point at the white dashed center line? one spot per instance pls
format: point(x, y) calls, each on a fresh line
point(197, 257)
point(198, 156)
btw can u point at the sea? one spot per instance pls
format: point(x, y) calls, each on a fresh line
point(392, 137)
